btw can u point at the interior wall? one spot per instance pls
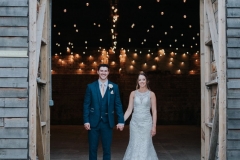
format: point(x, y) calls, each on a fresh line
point(178, 96)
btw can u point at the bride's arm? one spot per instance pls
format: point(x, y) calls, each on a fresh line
point(130, 106)
point(154, 113)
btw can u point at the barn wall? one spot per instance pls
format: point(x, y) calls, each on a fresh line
point(13, 79)
point(233, 77)
point(178, 96)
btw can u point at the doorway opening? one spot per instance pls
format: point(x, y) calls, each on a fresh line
point(161, 38)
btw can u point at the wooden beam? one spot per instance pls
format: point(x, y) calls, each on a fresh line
point(207, 92)
point(222, 79)
point(40, 21)
point(214, 133)
point(213, 28)
point(40, 147)
point(32, 78)
point(202, 56)
point(45, 75)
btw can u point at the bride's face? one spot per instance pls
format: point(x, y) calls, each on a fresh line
point(142, 81)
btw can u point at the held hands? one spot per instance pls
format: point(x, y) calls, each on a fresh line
point(153, 131)
point(120, 127)
point(87, 126)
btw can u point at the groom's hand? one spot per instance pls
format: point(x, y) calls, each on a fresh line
point(120, 127)
point(87, 126)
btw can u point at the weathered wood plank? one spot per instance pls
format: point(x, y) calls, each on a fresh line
point(233, 12)
point(233, 93)
point(14, 3)
point(233, 63)
point(14, 21)
point(14, 82)
point(13, 112)
point(14, 31)
point(15, 122)
point(213, 76)
point(233, 84)
point(13, 41)
point(13, 52)
point(233, 154)
point(13, 143)
point(233, 52)
point(13, 62)
point(13, 153)
point(233, 73)
point(1, 122)
point(233, 103)
point(233, 113)
point(13, 132)
point(10, 92)
point(233, 124)
point(13, 72)
point(233, 42)
point(233, 134)
point(233, 3)
point(233, 22)
point(233, 33)
point(15, 102)
point(233, 144)
point(13, 11)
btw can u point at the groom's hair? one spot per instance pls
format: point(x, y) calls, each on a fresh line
point(103, 65)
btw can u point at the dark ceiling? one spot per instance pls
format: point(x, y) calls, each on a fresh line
point(150, 29)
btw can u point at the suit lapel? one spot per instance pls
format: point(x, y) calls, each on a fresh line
point(98, 91)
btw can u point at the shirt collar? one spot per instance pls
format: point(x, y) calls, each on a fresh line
point(105, 83)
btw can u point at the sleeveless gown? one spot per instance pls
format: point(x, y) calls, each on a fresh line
point(140, 145)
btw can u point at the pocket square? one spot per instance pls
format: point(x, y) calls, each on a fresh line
point(112, 92)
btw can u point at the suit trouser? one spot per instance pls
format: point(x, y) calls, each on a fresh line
point(104, 132)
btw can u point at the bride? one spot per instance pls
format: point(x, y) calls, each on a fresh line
point(142, 124)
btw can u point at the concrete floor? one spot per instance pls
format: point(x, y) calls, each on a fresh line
point(171, 143)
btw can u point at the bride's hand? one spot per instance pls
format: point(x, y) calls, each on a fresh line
point(153, 131)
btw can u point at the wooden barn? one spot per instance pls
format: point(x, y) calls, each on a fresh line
point(25, 79)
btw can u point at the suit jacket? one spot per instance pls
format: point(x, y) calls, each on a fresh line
point(92, 104)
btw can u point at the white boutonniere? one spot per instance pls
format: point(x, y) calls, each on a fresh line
point(111, 88)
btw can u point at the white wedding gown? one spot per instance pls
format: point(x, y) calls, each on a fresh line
point(140, 145)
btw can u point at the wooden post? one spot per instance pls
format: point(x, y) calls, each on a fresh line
point(207, 92)
point(32, 78)
point(45, 75)
point(222, 78)
point(202, 42)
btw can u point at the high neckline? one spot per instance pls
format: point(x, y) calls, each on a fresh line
point(142, 92)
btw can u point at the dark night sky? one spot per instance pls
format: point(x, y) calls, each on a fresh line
point(99, 12)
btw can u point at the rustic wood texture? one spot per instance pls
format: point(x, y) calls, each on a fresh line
point(16, 3)
point(233, 33)
point(14, 21)
point(233, 103)
point(14, 72)
point(13, 153)
point(233, 73)
point(13, 93)
point(32, 79)
point(13, 83)
point(13, 112)
point(13, 41)
point(13, 102)
point(233, 84)
point(14, 62)
point(13, 133)
point(13, 143)
point(1, 122)
point(14, 31)
point(13, 11)
point(15, 122)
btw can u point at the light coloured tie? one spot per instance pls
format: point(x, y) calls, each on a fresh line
point(102, 89)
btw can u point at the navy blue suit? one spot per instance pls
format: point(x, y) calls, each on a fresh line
point(99, 112)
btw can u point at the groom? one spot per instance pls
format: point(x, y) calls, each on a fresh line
point(101, 101)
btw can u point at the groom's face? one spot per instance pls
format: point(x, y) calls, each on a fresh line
point(103, 73)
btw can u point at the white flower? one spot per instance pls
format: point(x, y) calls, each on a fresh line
point(112, 92)
point(110, 86)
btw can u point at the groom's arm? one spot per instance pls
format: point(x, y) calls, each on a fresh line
point(86, 105)
point(118, 107)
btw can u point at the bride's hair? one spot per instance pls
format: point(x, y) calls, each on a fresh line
point(147, 80)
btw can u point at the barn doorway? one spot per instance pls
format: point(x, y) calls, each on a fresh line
point(159, 37)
